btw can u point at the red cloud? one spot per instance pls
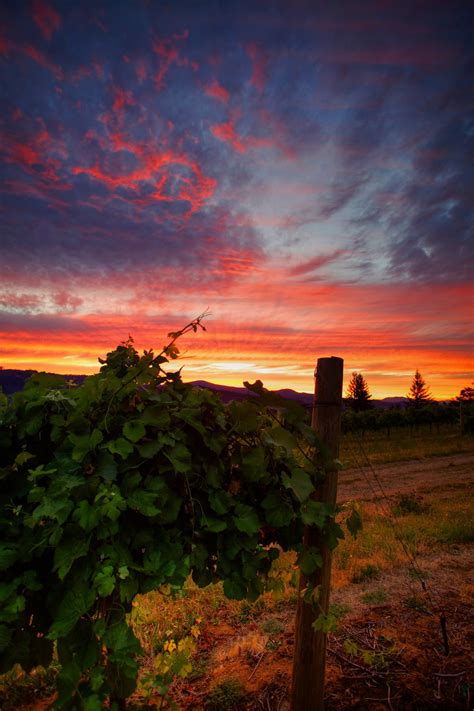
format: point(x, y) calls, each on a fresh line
point(174, 177)
point(42, 60)
point(169, 54)
point(122, 98)
point(217, 91)
point(313, 264)
point(67, 301)
point(259, 66)
point(226, 132)
point(141, 70)
point(98, 68)
point(4, 46)
point(46, 17)
point(39, 155)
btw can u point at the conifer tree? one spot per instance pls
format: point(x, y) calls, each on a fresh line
point(358, 394)
point(419, 393)
point(466, 394)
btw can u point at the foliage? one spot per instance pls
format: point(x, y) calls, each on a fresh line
point(174, 659)
point(409, 503)
point(368, 572)
point(419, 393)
point(358, 394)
point(131, 482)
point(466, 394)
point(226, 695)
point(388, 420)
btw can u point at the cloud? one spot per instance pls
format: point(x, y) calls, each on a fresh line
point(316, 263)
point(40, 58)
point(217, 91)
point(46, 17)
point(259, 66)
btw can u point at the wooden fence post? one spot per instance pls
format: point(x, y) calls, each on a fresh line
point(309, 659)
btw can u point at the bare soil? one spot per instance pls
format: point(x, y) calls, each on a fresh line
point(383, 656)
point(419, 475)
point(390, 655)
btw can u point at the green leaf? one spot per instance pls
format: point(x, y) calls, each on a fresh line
point(253, 464)
point(354, 522)
point(86, 515)
point(180, 458)
point(8, 556)
point(106, 467)
point(67, 551)
point(314, 513)
point(128, 589)
point(111, 503)
point(325, 623)
point(5, 636)
point(121, 447)
point(14, 605)
point(280, 437)
point(104, 581)
point(134, 430)
point(23, 457)
point(93, 703)
point(149, 449)
point(57, 509)
point(6, 589)
point(215, 525)
point(83, 444)
point(245, 519)
point(300, 483)
point(220, 501)
point(75, 603)
point(309, 560)
point(119, 638)
point(144, 502)
point(278, 512)
point(333, 532)
point(245, 417)
point(235, 588)
point(157, 416)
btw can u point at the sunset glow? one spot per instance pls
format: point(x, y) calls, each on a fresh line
point(302, 170)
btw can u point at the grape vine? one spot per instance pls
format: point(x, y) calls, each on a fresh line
point(131, 482)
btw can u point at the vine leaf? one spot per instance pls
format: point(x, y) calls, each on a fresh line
point(75, 603)
point(245, 519)
point(134, 430)
point(300, 483)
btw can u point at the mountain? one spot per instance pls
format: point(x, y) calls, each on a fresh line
point(11, 381)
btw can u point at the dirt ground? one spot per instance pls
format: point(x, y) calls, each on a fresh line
point(420, 475)
point(382, 656)
point(387, 655)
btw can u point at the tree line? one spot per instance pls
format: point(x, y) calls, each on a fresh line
point(421, 408)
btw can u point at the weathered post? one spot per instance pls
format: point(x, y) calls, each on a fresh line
point(310, 645)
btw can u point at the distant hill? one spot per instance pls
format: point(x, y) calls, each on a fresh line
point(11, 381)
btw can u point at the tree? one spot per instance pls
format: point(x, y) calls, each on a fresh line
point(419, 393)
point(466, 394)
point(358, 395)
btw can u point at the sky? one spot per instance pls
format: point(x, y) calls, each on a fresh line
point(303, 170)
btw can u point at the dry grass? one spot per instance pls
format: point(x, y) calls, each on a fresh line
point(403, 445)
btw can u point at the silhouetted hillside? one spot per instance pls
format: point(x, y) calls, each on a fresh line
point(11, 381)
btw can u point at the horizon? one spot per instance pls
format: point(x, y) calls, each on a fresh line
point(301, 170)
point(235, 384)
